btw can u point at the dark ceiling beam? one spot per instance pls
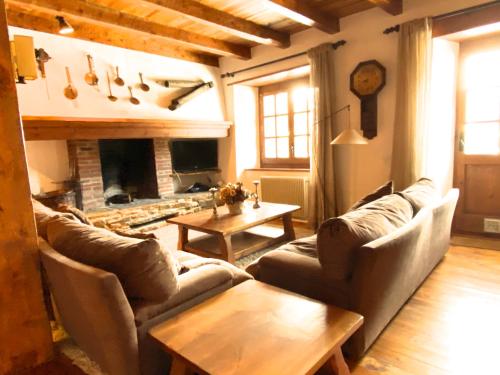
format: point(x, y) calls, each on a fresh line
point(106, 35)
point(97, 14)
point(303, 12)
point(225, 21)
point(393, 7)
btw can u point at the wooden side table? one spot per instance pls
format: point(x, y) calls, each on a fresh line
point(255, 329)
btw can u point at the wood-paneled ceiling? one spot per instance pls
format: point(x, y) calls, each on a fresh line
point(199, 31)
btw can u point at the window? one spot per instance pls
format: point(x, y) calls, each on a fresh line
point(482, 103)
point(286, 119)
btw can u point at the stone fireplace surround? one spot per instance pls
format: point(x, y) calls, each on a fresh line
point(142, 215)
point(85, 162)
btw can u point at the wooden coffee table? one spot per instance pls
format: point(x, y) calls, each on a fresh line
point(255, 328)
point(228, 238)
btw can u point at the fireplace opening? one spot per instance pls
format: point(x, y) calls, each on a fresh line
point(128, 169)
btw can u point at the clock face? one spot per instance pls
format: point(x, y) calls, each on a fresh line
point(368, 78)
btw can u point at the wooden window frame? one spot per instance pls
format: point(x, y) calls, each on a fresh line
point(291, 162)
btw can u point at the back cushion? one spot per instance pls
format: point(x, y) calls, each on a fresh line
point(381, 191)
point(422, 193)
point(338, 238)
point(43, 215)
point(145, 269)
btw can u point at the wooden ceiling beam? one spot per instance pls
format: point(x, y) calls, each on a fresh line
point(94, 13)
point(106, 35)
point(302, 12)
point(393, 7)
point(225, 21)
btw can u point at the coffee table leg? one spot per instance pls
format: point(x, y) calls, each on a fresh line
point(226, 248)
point(183, 237)
point(288, 227)
point(178, 367)
point(337, 363)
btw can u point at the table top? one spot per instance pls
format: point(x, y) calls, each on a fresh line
point(255, 328)
point(226, 224)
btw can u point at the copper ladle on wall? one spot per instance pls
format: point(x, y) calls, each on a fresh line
point(143, 86)
point(133, 99)
point(91, 77)
point(110, 96)
point(118, 80)
point(70, 91)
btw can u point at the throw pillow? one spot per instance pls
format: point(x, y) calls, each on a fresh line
point(79, 214)
point(43, 215)
point(145, 269)
point(338, 238)
point(422, 193)
point(381, 191)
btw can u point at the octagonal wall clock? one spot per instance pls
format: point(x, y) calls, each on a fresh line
point(367, 80)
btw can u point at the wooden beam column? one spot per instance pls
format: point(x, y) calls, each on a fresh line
point(393, 7)
point(303, 12)
point(24, 328)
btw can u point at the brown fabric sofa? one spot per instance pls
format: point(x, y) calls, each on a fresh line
point(112, 328)
point(383, 273)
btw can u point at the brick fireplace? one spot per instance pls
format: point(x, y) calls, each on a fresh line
point(85, 162)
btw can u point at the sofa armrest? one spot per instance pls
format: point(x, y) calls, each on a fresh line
point(301, 274)
point(94, 311)
point(386, 273)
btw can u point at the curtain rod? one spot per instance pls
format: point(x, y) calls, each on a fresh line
point(232, 74)
point(459, 12)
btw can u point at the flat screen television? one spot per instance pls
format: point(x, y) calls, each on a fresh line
point(194, 155)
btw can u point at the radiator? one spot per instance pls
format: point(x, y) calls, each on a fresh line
point(288, 190)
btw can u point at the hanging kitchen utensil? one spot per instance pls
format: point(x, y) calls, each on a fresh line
point(118, 80)
point(132, 99)
point(91, 77)
point(70, 91)
point(43, 57)
point(143, 86)
point(184, 98)
point(110, 96)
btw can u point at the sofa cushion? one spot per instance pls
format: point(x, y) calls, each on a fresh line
point(194, 283)
point(422, 193)
point(338, 238)
point(145, 269)
point(381, 191)
point(303, 246)
point(43, 215)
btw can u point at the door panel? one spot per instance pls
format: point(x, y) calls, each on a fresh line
point(477, 147)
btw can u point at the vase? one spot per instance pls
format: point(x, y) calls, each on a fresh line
point(235, 208)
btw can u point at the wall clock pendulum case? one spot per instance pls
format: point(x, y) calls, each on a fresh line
point(366, 81)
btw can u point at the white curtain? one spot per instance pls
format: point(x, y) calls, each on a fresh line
point(440, 142)
point(323, 188)
point(411, 124)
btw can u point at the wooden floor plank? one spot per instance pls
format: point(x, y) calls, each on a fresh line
point(450, 326)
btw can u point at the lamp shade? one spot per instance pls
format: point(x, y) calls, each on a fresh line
point(349, 137)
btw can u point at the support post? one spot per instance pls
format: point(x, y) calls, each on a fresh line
point(24, 326)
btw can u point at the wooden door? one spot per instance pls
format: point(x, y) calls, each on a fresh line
point(477, 151)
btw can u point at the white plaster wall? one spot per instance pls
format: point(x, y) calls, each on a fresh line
point(48, 160)
point(364, 167)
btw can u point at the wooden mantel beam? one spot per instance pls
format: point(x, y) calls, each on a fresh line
point(52, 128)
point(225, 21)
point(97, 14)
point(302, 12)
point(393, 7)
point(106, 35)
